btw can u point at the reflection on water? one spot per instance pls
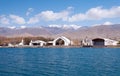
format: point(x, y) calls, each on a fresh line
point(59, 62)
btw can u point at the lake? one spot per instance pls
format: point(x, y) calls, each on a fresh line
point(59, 61)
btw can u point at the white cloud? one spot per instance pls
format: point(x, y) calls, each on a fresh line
point(107, 23)
point(71, 26)
point(75, 26)
point(96, 25)
point(96, 13)
point(65, 26)
point(22, 27)
point(17, 19)
point(70, 8)
point(77, 17)
point(33, 20)
point(54, 25)
point(4, 20)
point(29, 11)
point(12, 27)
point(49, 16)
point(92, 14)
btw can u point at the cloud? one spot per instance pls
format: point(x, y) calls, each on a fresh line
point(12, 27)
point(54, 25)
point(71, 26)
point(66, 15)
point(4, 20)
point(65, 26)
point(49, 16)
point(70, 8)
point(96, 14)
point(17, 19)
point(52, 16)
point(107, 23)
point(29, 11)
point(22, 27)
point(96, 25)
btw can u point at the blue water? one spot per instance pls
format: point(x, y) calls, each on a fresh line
point(59, 62)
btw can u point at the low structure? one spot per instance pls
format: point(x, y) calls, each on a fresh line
point(49, 43)
point(87, 42)
point(104, 42)
point(37, 43)
point(62, 41)
point(21, 43)
point(10, 45)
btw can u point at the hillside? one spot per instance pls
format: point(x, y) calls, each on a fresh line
point(107, 31)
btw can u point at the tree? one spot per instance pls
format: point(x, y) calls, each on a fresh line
point(27, 40)
point(119, 42)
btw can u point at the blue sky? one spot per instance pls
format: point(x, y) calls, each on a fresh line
point(32, 13)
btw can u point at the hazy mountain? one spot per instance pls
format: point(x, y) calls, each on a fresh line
point(24, 32)
point(107, 31)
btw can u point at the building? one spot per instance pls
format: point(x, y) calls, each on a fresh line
point(10, 45)
point(87, 42)
point(104, 42)
point(37, 43)
point(49, 43)
point(21, 43)
point(62, 41)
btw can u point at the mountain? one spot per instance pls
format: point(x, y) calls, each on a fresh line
point(24, 32)
point(33, 31)
point(106, 31)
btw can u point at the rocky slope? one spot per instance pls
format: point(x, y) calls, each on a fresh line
point(107, 31)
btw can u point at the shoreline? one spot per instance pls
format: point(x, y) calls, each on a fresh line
point(60, 47)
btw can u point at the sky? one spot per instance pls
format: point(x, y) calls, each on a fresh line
point(56, 13)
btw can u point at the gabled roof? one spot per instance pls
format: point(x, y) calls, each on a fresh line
point(63, 38)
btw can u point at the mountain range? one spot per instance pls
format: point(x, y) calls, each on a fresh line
point(106, 31)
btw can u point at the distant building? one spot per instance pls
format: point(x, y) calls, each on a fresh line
point(49, 43)
point(37, 43)
point(87, 42)
point(10, 45)
point(62, 41)
point(104, 42)
point(99, 42)
point(21, 43)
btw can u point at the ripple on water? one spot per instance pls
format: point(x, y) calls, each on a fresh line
point(59, 62)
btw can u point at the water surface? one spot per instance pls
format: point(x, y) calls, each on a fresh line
point(59, 61)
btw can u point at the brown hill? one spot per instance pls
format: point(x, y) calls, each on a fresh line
point(111, 31)
point(107, 31)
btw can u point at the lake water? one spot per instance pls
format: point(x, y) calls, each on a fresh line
point(59, 61)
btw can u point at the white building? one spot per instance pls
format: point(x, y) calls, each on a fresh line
point(104, 42)
point(62, 41)
point(87, 42)
point(37, 43)
point(110, 42)
point(49, 43)
point(10, 45)
point(21, 43)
